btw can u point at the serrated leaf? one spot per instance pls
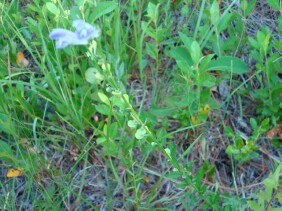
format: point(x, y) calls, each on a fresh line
point(228, 64)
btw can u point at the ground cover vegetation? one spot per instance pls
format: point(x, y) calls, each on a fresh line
point(140, 105)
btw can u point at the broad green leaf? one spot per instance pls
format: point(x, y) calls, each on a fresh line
point(104, 98)
point(205, 62)
point(186, 40)
point(113, 130)
point(253, 123)
point(214, 12)
point(6, 152)
point(182, 57)
point(248, 6)
point(228, 64)
point(103, 109)
point(100, 140)
point(168, 152)
point(103, 8)
point(151, 50)
point(132, 124)
point(92, 75)
point(152, 12)
point(6, 124)
point(207, 80)
point(280, 22)
point(274, 3)
point(224, 23)
point(254, 43)
point(79, 2)
point(51, 7)
point(162, 112)
point(140, 133)
point(195, 52)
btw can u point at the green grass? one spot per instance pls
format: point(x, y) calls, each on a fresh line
point(168, 109)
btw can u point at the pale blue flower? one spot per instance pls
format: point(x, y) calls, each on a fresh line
point(84, 32)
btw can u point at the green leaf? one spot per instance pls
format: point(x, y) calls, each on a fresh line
point(214, 12)
point(103, 8)
point(132, 124)
point(168, 152)
point(224, 23)
point(103, 109)
point(186, 40)
point(104, 98)
point(52, 8)
point(205, 62)
point(6, 152)
point(152, 12)
point(280, 22)
point(265, 125)
point(274, 3)
point(161, 112)
point(6, 124)
point(207, 80)
point(253, 123)
point(228, 64)
point(92, 75)
point(195, 52)
point(182, 57)
point(151, 50)
point(248, 6)
point(113, 130)
point(140, 133)
point(254, 43)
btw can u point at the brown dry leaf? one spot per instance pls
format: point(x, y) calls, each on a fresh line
point(15, 172)
point(272, 133)
point(21, 60)
point(275, 131)
point(280, 131)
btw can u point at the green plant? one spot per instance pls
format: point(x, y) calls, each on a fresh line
point(270, 197)
point(70, 123)
point(244, 150)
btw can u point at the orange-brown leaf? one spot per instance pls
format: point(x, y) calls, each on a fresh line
point(272, 133)
point(21, 60)
point(15, 172)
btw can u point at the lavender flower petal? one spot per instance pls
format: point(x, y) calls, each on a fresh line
point(65, 37)
point(85, 30)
